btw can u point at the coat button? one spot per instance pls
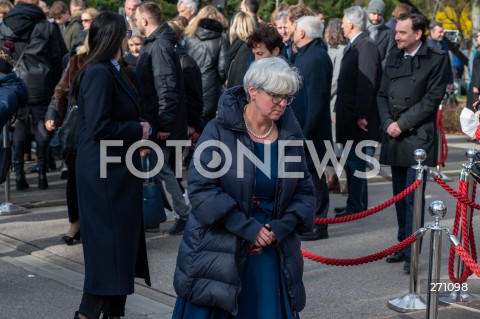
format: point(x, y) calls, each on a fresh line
point(392, 80)
point(412, 80)
point(407, 99)
point(392, 97)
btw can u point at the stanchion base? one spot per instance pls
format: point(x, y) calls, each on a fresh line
point(456, 297)
point(408, 303)
point(11, 209)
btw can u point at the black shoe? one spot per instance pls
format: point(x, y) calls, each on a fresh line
point(397, 257)
point(344, 213)
point(406, 267)
point(21, 182)
point(77, 316)
point(340, 209)
point(316, 234)
point(178, 227)
point(70, 241)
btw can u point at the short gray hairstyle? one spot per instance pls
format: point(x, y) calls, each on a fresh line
point(191, 4)
point(273, 75)
point(282, 15)
point(312, 26)
point(356, 15)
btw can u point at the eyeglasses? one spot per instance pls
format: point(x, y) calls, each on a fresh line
point(86, 20)
point(277, 98)
point(129, 34)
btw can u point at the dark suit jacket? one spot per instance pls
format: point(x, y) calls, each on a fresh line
point(316, 68)
point(358, 85)
point(111, 214)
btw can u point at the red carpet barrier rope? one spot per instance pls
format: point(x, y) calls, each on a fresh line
point(462, 198)
point(467, 235)
point(362, 260)
point(370, 211)
point(471, 264)
point(444, 148)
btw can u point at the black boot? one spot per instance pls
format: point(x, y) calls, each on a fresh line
point(21, 181)
point(42, 164)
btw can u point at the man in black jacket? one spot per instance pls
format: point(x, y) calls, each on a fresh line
point(413, 85)
point(162, 94)
point(39, 48)
point(316, 67)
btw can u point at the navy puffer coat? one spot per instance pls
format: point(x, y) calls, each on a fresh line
point(213, 251)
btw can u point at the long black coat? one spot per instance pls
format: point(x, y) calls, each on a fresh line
point(111, 214)
point(317, 70)
point(472, 97)
point(358, 85)
point(213, 251)
point(410, 94)
point(208, 48)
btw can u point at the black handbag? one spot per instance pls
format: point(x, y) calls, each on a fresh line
point(66, 138)
point(153, 209)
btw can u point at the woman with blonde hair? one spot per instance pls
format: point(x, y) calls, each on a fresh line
point(206, 44)
point(242, 26)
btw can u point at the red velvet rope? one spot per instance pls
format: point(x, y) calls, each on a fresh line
point(370, 211)
point(444, 148)
point(471, 264)
point(468, 238)
point(362, 260)
point(462, 198)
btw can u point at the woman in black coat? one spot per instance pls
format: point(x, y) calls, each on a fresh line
point(206, 44)
point(109, 195)
point(240, 254)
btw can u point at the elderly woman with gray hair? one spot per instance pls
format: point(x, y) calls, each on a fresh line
point(240, 254)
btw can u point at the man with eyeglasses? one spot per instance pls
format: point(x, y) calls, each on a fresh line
point(316, 67)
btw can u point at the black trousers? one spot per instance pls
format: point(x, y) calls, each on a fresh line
point(92, 306)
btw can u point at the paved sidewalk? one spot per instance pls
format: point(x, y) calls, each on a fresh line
point(36, 266)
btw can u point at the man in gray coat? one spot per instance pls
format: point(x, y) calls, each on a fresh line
point(413, 84)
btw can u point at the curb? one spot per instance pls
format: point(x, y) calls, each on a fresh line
point(25, 247)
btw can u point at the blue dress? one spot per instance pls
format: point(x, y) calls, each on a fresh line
point(264, 293)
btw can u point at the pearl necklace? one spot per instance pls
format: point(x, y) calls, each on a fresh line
point(251, 132)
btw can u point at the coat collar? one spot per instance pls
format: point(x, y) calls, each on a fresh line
point(120, 77)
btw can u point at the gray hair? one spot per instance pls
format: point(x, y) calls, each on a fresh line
point(312, 26)
point(273, 75)
point(356, 15)
point(191, 4)
point(282, 15)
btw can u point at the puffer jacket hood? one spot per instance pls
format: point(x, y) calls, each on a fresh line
point(209, 29)
point(23, 17)
point(13, 95)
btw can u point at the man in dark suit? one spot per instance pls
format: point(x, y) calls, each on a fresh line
point(316, 67)
point(356, 107)
point(413, 85)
